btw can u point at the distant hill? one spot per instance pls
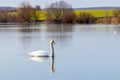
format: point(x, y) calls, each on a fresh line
point(7, 8)
point(97, 8)
point(89, 8)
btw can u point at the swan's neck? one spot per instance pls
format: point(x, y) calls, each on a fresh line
point(52, 50)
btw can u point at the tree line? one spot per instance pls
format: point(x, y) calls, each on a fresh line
point(57, 12)
point(25, 13)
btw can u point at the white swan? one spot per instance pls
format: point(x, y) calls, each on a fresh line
point(42, 53)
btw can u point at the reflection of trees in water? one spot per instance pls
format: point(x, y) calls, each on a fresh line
point(29, 28)
point(59, 28)
point(46, 28)
point(92, 28)
point(96, 28)
point(26, 32)
point(26, 40)
point(59, 32)
point(83, 28)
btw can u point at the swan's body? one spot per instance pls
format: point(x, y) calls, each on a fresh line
point(42, 53)
point(39, 53)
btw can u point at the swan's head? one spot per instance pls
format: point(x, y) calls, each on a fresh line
point(52, 42)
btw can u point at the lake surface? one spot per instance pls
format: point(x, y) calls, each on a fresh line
point(82, 52)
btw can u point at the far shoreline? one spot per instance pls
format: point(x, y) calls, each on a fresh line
point(37, 23)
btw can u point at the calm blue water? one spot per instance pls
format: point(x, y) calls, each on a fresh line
point(82, 52)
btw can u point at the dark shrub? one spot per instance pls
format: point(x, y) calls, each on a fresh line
point(85, 18)
point(68, 17)
point(117, 13)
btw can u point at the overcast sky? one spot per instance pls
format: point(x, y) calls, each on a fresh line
point(74, 3)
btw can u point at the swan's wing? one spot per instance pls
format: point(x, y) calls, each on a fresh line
point(38, 53)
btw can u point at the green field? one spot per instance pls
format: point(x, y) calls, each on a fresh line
point(96, 13)
point(42, 15)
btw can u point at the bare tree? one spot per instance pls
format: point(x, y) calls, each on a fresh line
point(27, 13)
point(56, 11)
point(38, 7)
point(85, 17)
point(117, 13)
point(7, 16)
point(68, 17)
point(3, 15)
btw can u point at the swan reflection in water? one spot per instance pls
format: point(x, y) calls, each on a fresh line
point(42, 59)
